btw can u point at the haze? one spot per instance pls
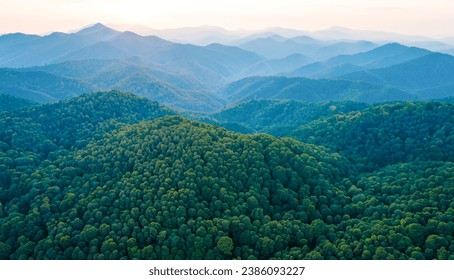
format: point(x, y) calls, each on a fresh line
point(416, 17)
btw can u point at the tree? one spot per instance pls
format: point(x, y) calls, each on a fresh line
point(225, 245)
point(5, 251)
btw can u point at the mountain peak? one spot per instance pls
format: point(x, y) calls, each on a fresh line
point(399, 48)
point(95, 28)
point(390, 47)
point(99, 31)
point(393, 45)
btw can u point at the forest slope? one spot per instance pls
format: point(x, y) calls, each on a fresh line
point(145, 185)
point(387, 134)
point(280, 117)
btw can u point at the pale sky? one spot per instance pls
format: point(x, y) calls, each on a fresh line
point(431, 18)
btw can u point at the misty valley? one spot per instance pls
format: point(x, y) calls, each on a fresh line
point(115, 145)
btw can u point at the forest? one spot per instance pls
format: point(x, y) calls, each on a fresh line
point(112, 175)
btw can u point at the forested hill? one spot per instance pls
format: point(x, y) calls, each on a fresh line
point(280, 117)
point(143, 184)
point(9, 103)
point(387, 134)
point(76, 121)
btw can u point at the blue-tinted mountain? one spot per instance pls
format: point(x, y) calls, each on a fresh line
point(125, 44)
point(208, 65)
point(319, 70)
point(141, 83)
point(40, 86)
point(275, 66)
point(50, 48)
point(274, 47)
point(344, 48)
point(445, 91)
point(16, 38)
point(384, 56)
point(433, 72)
point(310, 90)
point(94, 70)
point(69, 79)
point(98, 32)
point(448, 51)
point(12, 45)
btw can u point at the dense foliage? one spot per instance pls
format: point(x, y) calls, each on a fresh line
point(114, 176)
point(387, 134)
point(9, 103)
point(72, 123)
point(280, 117)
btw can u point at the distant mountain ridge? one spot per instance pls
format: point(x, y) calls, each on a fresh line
point(380, 57)
point(274, 47)
point(40, 86)
point(209, 64)
point(283, 88)
point(431, 72)
point(61, 81)
point(188, 77)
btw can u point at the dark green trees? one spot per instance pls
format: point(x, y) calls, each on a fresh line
point(113, 176)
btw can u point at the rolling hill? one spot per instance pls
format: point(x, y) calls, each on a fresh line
point(279, 117)
point(116, 176)
point(310, 90)
point(387, 134)
point(432, 71)
point(263, 167)
point(72, 123)
point(40, 86)
point(67, 79)
point(9, 103)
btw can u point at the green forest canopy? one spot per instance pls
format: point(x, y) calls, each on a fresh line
point(114, 176)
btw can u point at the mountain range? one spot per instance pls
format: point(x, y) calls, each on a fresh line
point(205, 78)
point(380, 57)
point(280, 144)
point(283, 88)
point(432, 72)
point(278, 47)
point(209, 64)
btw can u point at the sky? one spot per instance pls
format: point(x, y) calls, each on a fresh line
point(432, 18)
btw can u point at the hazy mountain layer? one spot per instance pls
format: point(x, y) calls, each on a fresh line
point(384, 56)
point(310, 90)
point(430, 72)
